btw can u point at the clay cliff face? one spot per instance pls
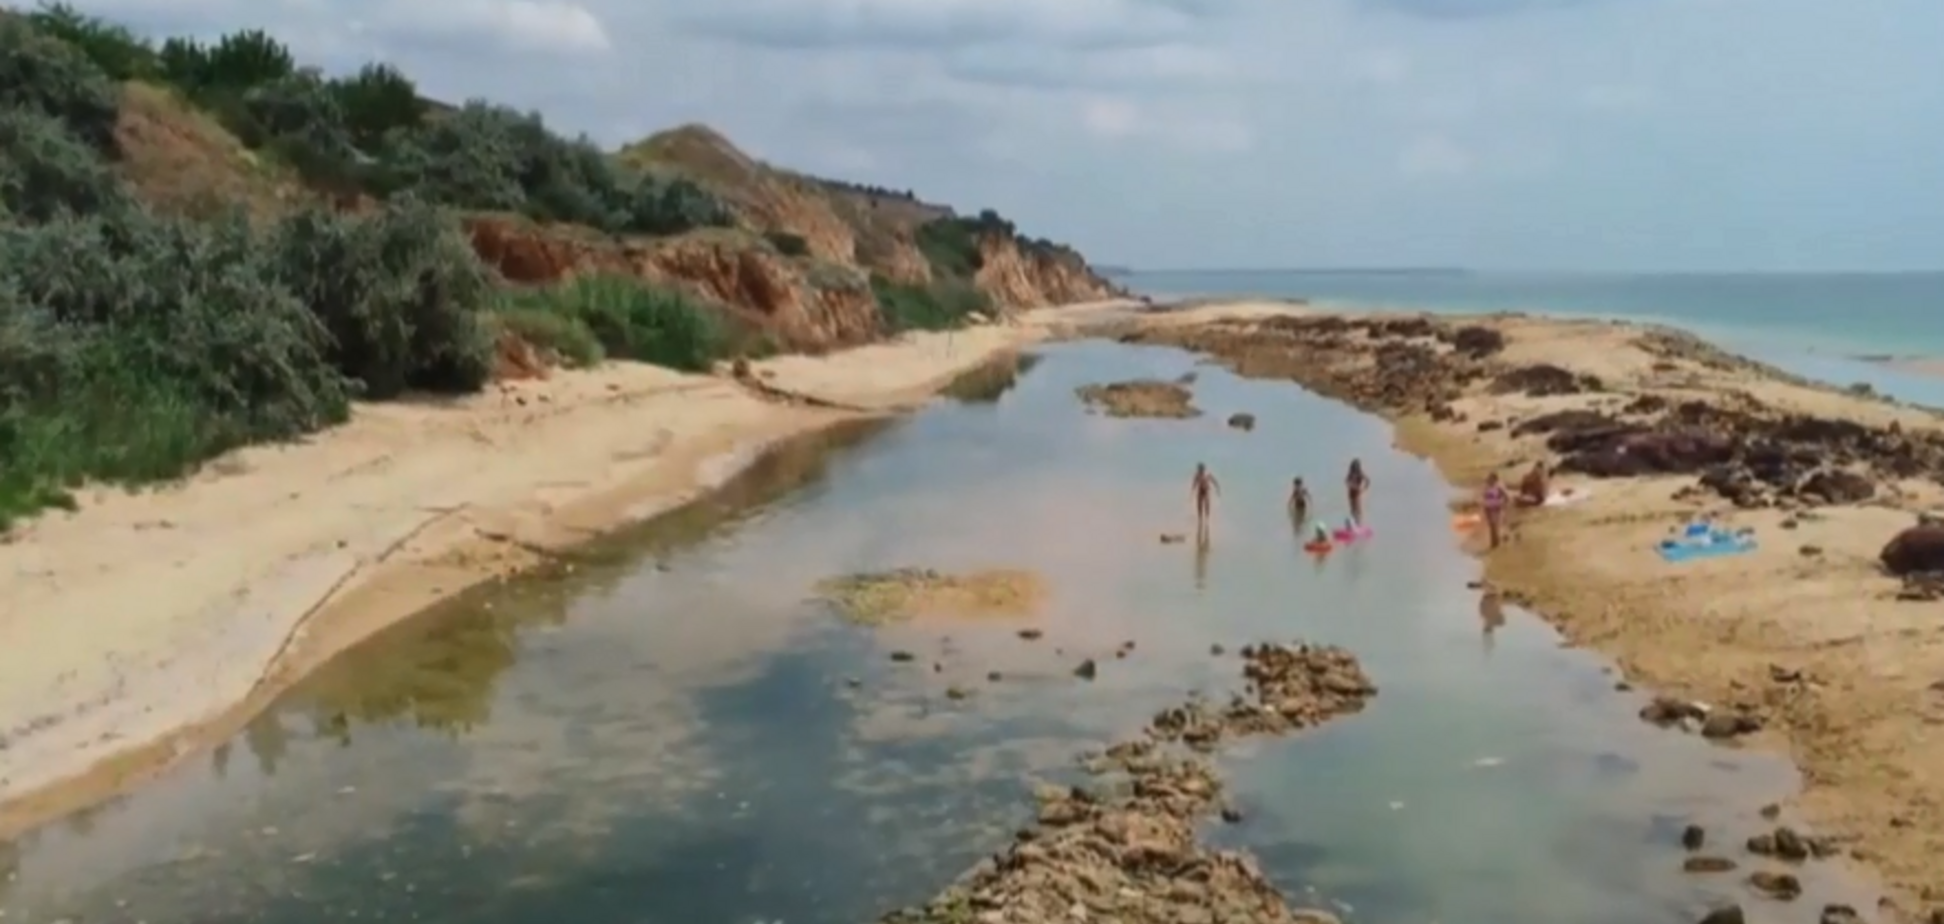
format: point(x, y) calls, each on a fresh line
point(872, 231)
point(811, 302)
point(803, 304)
point(1037, 278)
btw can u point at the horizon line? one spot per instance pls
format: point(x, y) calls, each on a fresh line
point(1473, 271)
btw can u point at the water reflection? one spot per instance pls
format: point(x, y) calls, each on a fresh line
point(665, 728)
point(988, 383)
point(1202, 544)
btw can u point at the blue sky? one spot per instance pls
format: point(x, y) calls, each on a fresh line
point(1519, 134)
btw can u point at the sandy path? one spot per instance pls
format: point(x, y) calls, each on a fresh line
point(146, 625)
point(1805, 632)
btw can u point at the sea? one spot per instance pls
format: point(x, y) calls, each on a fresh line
point(1823, 326)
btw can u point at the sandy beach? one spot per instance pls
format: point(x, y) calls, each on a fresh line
point(1805, 642)
point(147, 625)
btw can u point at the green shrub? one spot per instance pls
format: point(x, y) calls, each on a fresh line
point(787, 244)
point(492, 158)
point(235, 64)
point(376, 100)
point(400, 293)
point(116, 50)
point(563, 335)
point(951, 246)
point(943, 305)
point(134, 347)
point(45, 75)
point(631, 319)
point(45, 170)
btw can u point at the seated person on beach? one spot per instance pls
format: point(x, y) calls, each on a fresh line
point(1299, 501)
point(1534, 487)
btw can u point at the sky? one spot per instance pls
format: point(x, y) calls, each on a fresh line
point(1604, 135)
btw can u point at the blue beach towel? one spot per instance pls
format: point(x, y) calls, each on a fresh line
point(1716, 544)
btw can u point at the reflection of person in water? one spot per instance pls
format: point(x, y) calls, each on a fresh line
point(1201, 561)
point(1491, 615)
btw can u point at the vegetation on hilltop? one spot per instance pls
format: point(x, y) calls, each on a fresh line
point(135, 344)
point(150, 320)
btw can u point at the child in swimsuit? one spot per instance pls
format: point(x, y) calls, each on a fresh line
point(1299, 501)
point(1203, 486)
point(1356, 483)
point(1493, 501)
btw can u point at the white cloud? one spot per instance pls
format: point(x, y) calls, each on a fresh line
point(1615, 98)
point(1110, 118)
point(553, 26)
point(1384, 68)
point(1434, 155)
point(903, 23)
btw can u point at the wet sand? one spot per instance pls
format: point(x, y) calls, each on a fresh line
point(1802, 645)
point(147, 626)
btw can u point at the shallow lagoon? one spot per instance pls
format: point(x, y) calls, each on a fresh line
point(674, 734)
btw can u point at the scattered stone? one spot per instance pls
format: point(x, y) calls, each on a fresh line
point(1666, 711)
point(1724, 914)
point(1918, 549)
point(1781, 886)
point(1127, 852)
point(1723, 725)
point(1922, 587)
point(1544, 380)
point(903, 656)
point(994, 677)
point(1087, 670)
point(1216, 650)
point(1030, 634)
point(1173, 538)
point(1243, 422)
point(1839, 914)
point(1693, 836)
point(957, 692)
point(1708, 865)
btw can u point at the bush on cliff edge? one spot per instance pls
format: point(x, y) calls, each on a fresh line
point(134, 346)
point(942, 305)
point(590, 318)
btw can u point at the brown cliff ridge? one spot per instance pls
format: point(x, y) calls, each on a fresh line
point(811, 262)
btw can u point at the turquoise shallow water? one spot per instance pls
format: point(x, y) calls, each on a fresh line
point(1813, 325)
point(675, 735)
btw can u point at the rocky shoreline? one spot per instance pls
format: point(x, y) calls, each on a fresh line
point(1737, 447)
point(1816, 644)
point(1124, 849)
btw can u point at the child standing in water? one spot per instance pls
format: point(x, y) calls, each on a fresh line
point(1356, 483)
point(1493, 501)
point(1204, 487)
point(1299, 501)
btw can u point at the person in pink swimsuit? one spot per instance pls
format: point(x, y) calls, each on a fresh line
point(1493, 499)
